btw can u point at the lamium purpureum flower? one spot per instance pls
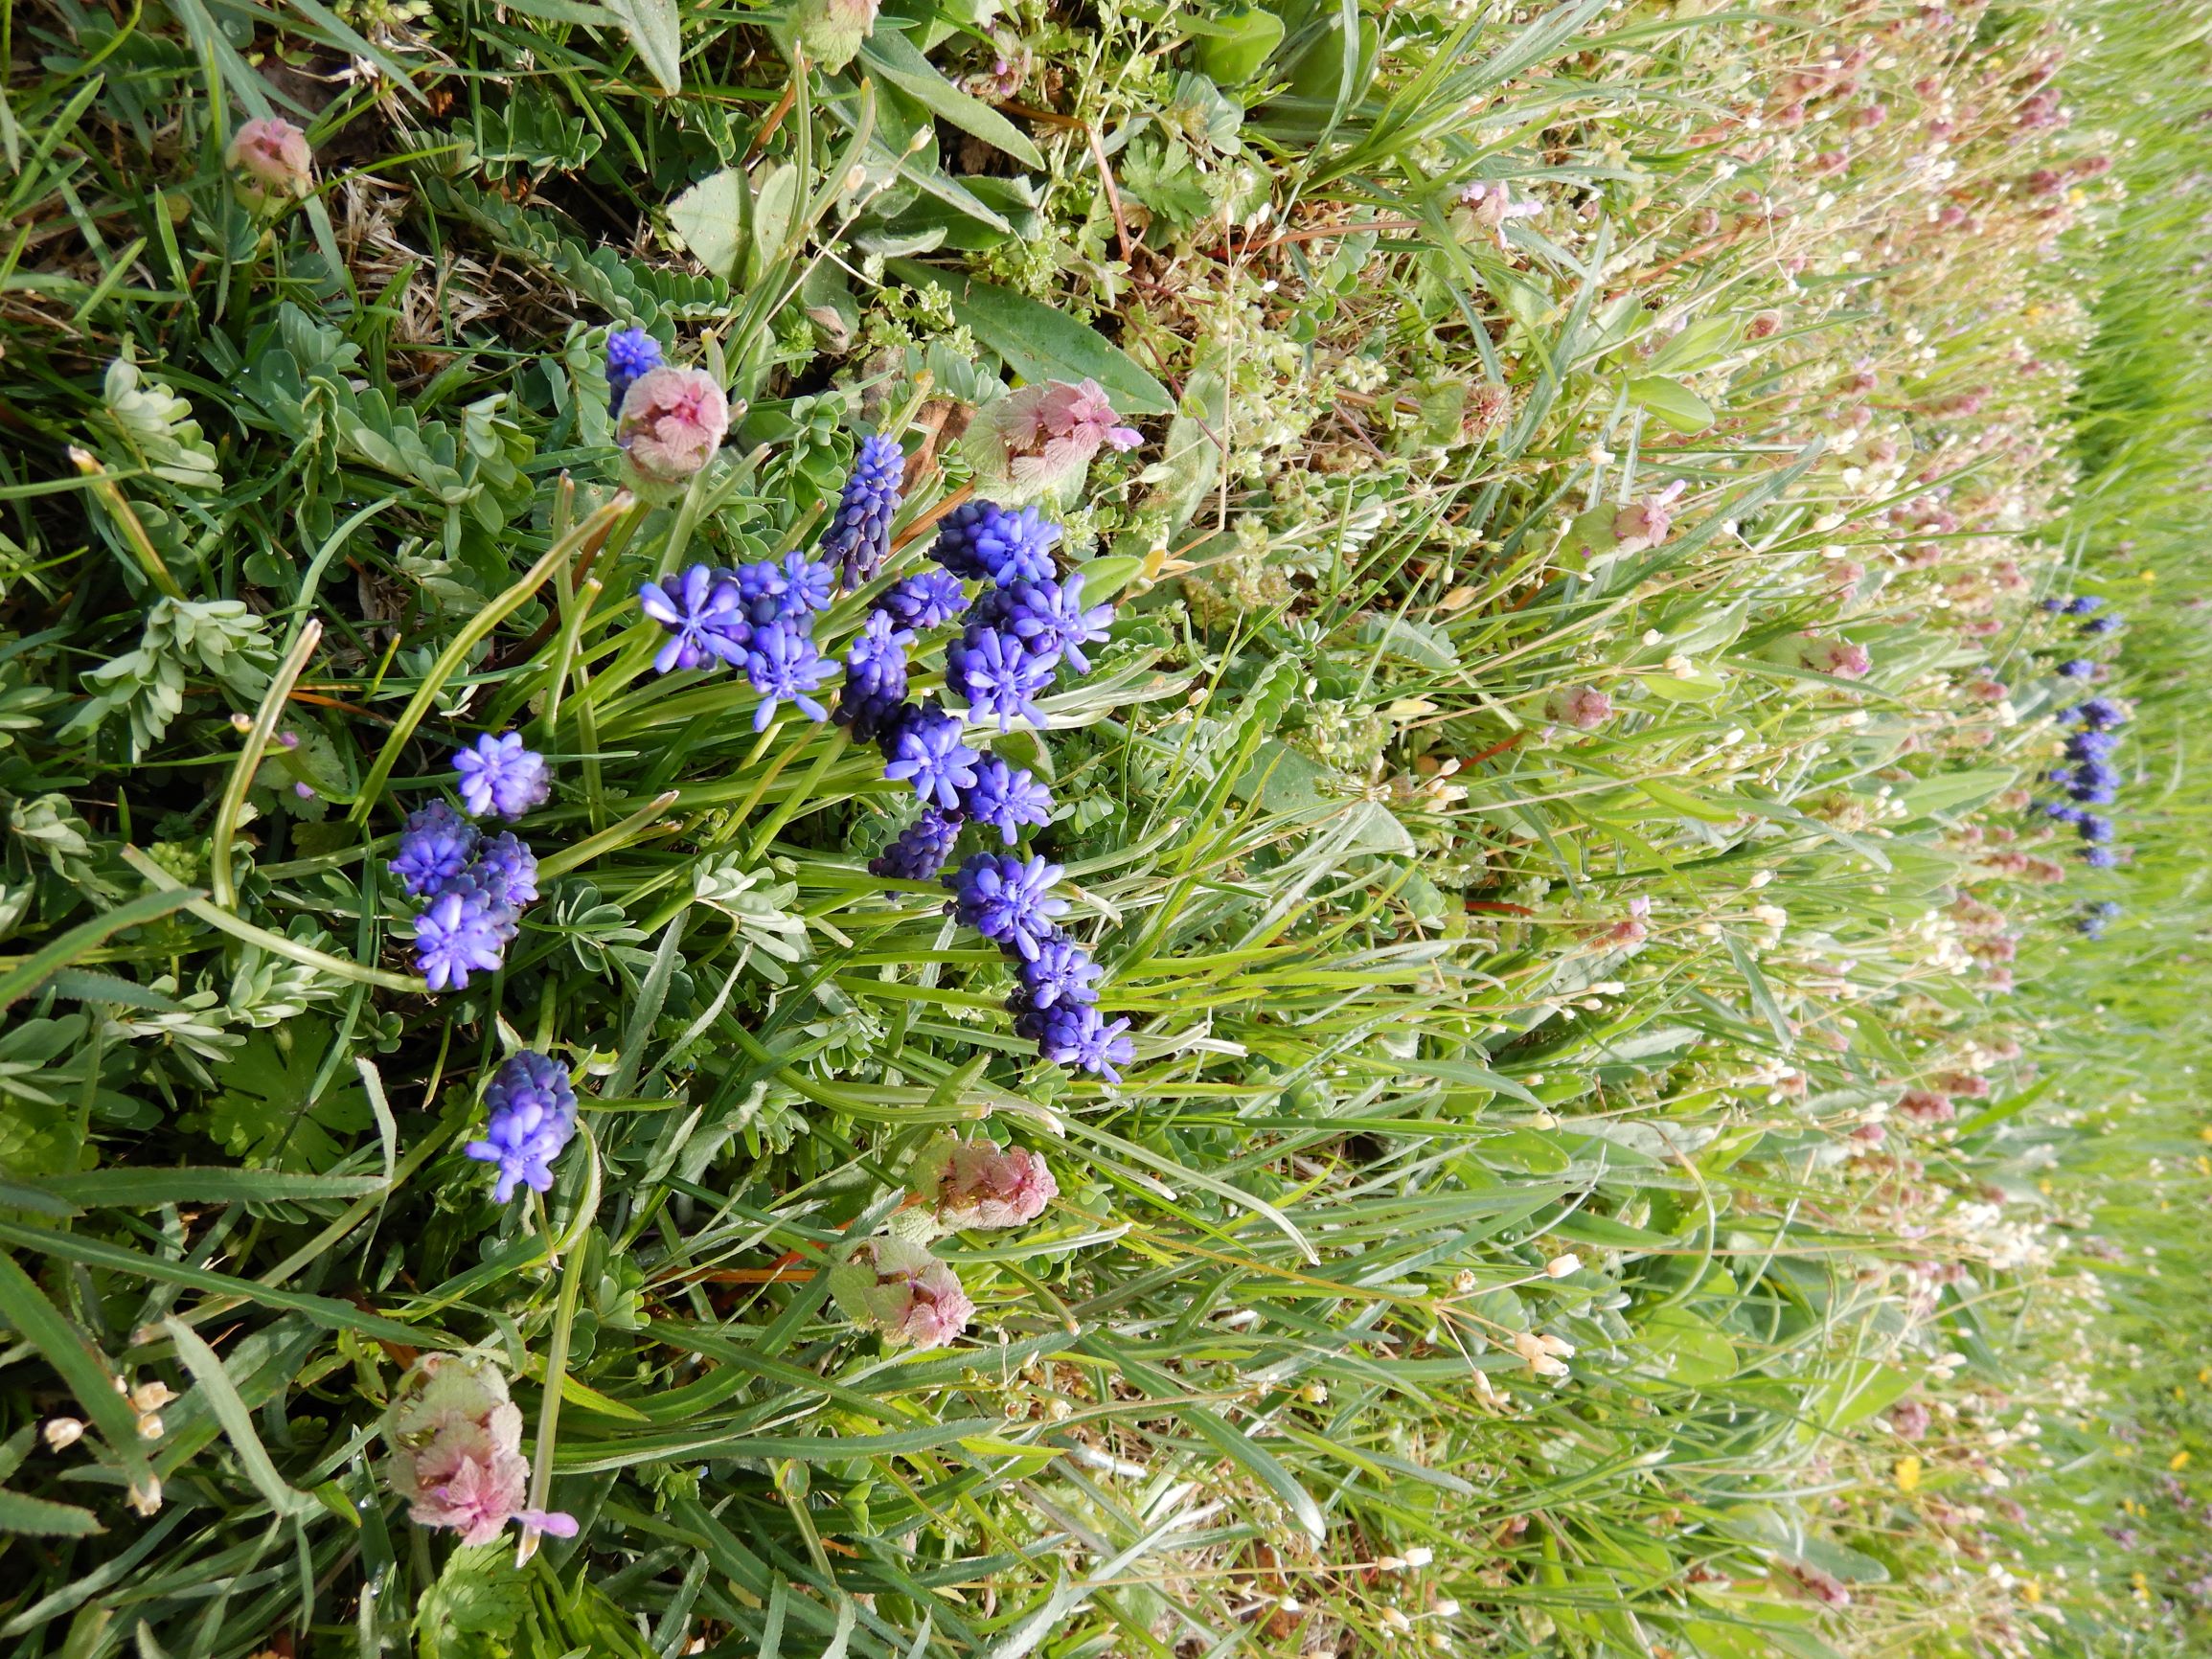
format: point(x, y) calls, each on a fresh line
point(632, 355)
point(1485, 207)
point(460, 933)
point(860, 536)
point(919, 852)
point(704, 614)
point(1040, 442)
point(1845, 659)
point(1586, 708)
point(456, 1442)
point(900, 1289)
point(271, 162)
point(1647, 523)
point(532, 1115)
point(1007, 899)
point(500, 775)
point(672, 422)
point(968, 1185)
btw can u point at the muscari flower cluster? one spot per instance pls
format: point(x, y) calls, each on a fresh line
point(2090, 779)
point(473, 886)
point(761, 616)
point(1023, 628)
point(2095, 918)
point(532, 1111)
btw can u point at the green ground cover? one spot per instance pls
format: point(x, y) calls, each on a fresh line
point(1615, 1120)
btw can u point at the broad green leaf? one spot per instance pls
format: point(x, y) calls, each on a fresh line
point(1106, 574)
point(1686, 1349)
point(775, 202)
point(711, 218)
point(1414, 642)
point(1040, 341)
point(1670, 402)
point(1189, 465)
point(1696, 345)
point(655, 28)
point(898, 61)
point(1295, 786)
point(1955, 791)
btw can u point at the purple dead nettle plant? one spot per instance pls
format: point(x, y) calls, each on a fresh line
point(456, 1450)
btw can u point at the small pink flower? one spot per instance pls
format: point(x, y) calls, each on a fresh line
point(473, 1488)
point(1926, 1106)
point(672, 422)
point(1489, 206)
point(1040, 440)
point(1635, 928)
point(1845, 659)
point(272, 161)
point(900, 1289)
point(1586, 708)
point(977, 1184)
point(1648, 522)
point(456, 1441)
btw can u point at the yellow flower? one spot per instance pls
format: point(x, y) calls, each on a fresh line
point(2178, 1460)
point(1907, 1474)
